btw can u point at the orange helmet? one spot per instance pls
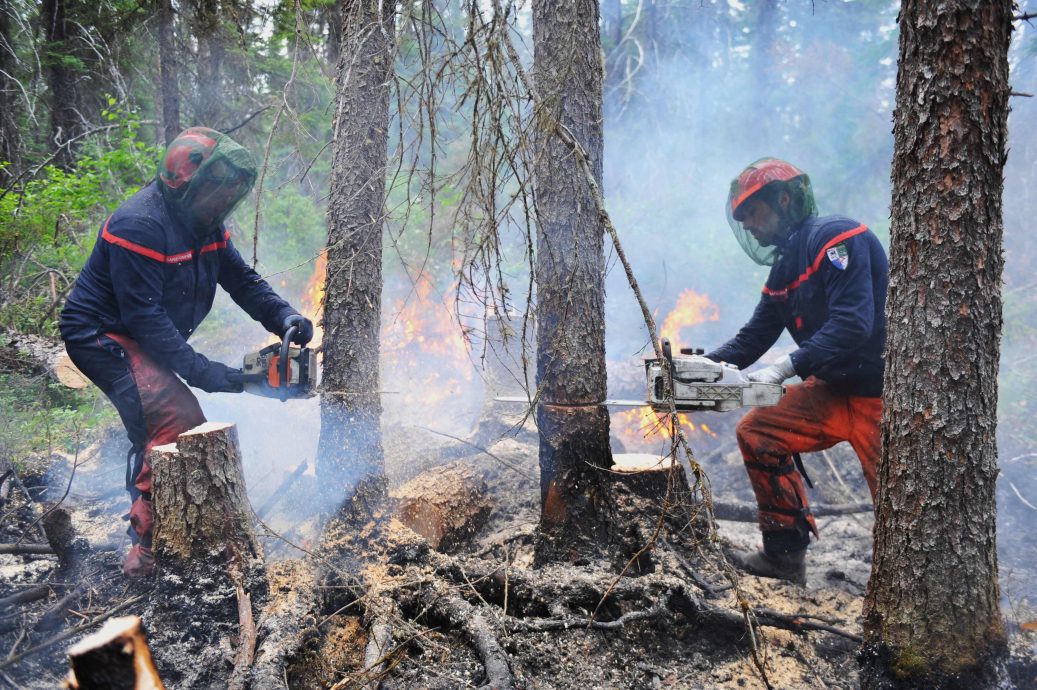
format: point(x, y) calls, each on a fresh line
point(764, 179)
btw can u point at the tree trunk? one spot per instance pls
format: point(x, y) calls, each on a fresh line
point(10, 135)
point(169, 88)
point(447, 505)
point(931, 610)
point(570, 266)
point(209, 62)
point(65, 120)
point(350, 446)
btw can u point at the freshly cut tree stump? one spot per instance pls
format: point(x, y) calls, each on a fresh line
point(211, 578)
point(446, 505)
point(201, 508)
point(116, 656)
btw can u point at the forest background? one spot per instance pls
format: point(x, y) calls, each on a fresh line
point(694, 91)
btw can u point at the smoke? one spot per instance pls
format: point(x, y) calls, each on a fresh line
point(713, 87)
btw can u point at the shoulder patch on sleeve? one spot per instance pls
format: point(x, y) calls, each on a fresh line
point(839, 255)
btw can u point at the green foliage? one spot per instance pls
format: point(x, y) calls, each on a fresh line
point(47, 227)
point(43, 417)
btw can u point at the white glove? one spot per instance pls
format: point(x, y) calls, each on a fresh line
point(776, 373)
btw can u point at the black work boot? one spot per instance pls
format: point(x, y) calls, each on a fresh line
point(790, 566)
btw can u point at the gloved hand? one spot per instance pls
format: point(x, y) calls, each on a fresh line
point(776, 373)
point(304, 334)
point(219, 378)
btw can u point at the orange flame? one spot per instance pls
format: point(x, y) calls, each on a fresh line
point(424, 351)
point(691, 310)
point(644, 426)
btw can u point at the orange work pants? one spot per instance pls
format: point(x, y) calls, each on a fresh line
point(809, 418)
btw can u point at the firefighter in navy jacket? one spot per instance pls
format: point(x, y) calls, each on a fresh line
point(827, 288)
point(150, 280)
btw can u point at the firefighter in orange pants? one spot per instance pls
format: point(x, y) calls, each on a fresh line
point(827, 288)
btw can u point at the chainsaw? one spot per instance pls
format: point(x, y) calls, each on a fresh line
point(698, 384)
point(281, 370)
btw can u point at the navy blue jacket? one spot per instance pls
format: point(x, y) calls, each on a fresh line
point(828, 288)
point(150, 278)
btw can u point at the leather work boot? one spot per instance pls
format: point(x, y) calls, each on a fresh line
point(791, 566)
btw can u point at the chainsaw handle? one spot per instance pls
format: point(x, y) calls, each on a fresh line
point(284, 364)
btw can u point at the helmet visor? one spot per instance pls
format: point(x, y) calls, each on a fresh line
point(765, 256)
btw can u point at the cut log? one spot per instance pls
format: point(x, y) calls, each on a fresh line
point(201, 508)
point(43, 355)
point(447, 505)
point(116, 656)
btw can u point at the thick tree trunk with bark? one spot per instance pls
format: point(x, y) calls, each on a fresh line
point(65, 120)
point(350, 448)
point(932, 617)
point(574, 426)
point(169, 86)
point(209, 62)
point(10, 136)
point(210, 564)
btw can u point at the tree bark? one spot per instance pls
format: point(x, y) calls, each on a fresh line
point(65, 120)
point(570, 266)
point(169, 89)
point(10, 134)
point(208, 62)
point(932, 617)
point(201, 508)
point(350, 447)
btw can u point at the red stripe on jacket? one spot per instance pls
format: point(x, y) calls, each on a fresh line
point(814, 267)
point(158, 256)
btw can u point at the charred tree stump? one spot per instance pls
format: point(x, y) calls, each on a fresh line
point(116, 656)
point(211, 573)
point(447, 505)
point(650, 494)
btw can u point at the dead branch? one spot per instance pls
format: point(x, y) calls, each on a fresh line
point(25, 596)
point(461, 615)
point(246, 637)
point(27, 549)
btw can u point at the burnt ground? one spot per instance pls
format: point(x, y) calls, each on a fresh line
point(673, 649)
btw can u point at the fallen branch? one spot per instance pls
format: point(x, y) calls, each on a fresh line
point(466, 617)
point(26, 549)
point(25, 596)
point(246, 638)
point(531, 625)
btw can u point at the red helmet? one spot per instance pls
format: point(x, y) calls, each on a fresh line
point(756, 176)
point(769, 175)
